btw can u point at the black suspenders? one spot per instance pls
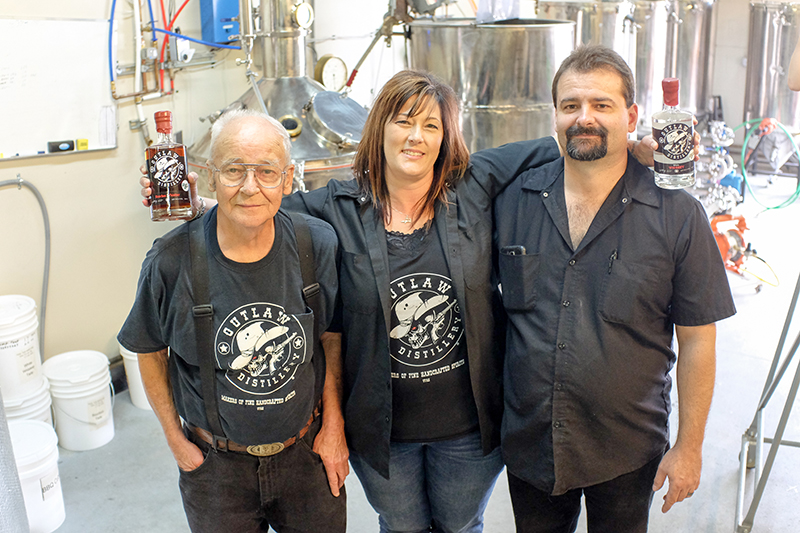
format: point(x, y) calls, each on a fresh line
point(203, 313)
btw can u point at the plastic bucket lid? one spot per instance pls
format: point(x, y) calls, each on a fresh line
point(75, 368)
point(15, 308)
point(33, 398)
point(33, 442)
point(82, 389)
point(19, 328)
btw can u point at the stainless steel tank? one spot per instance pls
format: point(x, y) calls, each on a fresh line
point(657, 38)
point(690, 51)
point(502, 72)
point(774, 29)
point(325, 127)
point(608, 23)
point(651, 18)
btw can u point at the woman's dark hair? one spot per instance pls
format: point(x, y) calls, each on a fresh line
point(369, 165)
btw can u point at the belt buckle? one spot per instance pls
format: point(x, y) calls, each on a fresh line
point(265, 450)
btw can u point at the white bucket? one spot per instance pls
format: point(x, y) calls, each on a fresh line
point(135, 386)
point(79, 385)
point(20, 360)
point(36, 455)
point(34, 406)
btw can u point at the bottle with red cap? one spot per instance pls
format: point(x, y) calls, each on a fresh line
point(673, 130)
point(167, 170)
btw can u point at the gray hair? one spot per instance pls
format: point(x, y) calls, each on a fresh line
point(235, 114)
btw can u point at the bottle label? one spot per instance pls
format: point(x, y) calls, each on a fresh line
point(675, 140)
point(167, 167)
point(675, 149)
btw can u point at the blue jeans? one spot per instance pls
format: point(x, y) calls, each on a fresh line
point(441, 486)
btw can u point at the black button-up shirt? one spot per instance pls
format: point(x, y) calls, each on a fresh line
point(587, 385)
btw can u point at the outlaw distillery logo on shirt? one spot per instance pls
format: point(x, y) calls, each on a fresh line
point(426, 321)
point(261, 346)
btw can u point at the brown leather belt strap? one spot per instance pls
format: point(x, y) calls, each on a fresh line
point(258, 450)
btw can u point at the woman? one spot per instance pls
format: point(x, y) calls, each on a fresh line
point(421, 363)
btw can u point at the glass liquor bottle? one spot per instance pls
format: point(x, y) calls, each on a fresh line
point(673, 130)
point(167, 170)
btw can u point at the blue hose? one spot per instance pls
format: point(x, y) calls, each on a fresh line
point(110, 33)
point(212, 45)
point(152, 21)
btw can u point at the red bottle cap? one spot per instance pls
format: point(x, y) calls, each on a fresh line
point(671, 88)
point(164, 121)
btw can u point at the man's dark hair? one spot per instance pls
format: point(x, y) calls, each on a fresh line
point(587, 58)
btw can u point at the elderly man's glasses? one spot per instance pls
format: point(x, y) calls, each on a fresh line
point(233, 175)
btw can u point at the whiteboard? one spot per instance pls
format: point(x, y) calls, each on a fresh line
point(54, 85)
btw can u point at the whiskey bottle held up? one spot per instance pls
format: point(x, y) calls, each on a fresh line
point(673, 130)
point(167, 170)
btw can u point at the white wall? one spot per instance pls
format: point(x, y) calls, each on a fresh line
point(100, 232)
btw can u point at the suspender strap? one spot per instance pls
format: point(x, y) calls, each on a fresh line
point(305, 250)
point(203, 313)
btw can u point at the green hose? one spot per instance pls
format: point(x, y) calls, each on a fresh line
point(791, 199)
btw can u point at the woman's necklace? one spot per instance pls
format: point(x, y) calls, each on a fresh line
point(406, 220)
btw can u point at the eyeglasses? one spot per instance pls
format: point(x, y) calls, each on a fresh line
point(233, 175)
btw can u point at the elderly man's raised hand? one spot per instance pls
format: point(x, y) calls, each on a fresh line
point(146, 191)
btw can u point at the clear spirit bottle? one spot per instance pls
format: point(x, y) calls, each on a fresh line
point(673, 130)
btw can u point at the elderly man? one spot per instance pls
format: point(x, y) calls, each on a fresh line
point(597, 267)
point(247, 385)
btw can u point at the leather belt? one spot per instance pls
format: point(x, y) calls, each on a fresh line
point(258, 450)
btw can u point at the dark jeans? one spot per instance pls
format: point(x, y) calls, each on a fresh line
point(239, 492)
point(621, 505)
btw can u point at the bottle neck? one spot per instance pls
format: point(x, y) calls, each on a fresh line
point(164, 138)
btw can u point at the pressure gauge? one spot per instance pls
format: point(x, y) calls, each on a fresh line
point(303, 15)
point(331, 72)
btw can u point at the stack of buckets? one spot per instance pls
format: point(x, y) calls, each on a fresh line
point(26, 402)
point(26, 393)
point(80, 385)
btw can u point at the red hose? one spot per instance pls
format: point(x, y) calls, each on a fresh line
point(167, 27)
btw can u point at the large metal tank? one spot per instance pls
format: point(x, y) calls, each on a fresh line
point(651, 18)
point(607, 23)
point(325, 126)
point(502, 72)
point(774, 29)
point(657, 38)
point(690, 51)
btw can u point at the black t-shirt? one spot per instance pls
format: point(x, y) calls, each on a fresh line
point(263, 332)
point(431, 392)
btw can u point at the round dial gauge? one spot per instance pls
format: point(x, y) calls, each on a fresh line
point(331, 72)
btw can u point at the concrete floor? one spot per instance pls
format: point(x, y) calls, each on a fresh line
point(130, 484)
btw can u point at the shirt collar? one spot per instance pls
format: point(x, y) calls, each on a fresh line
point(637, 181)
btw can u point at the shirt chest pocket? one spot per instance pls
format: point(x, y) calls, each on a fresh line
point(518, 277)
point(357, 283)
point(635, 293)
